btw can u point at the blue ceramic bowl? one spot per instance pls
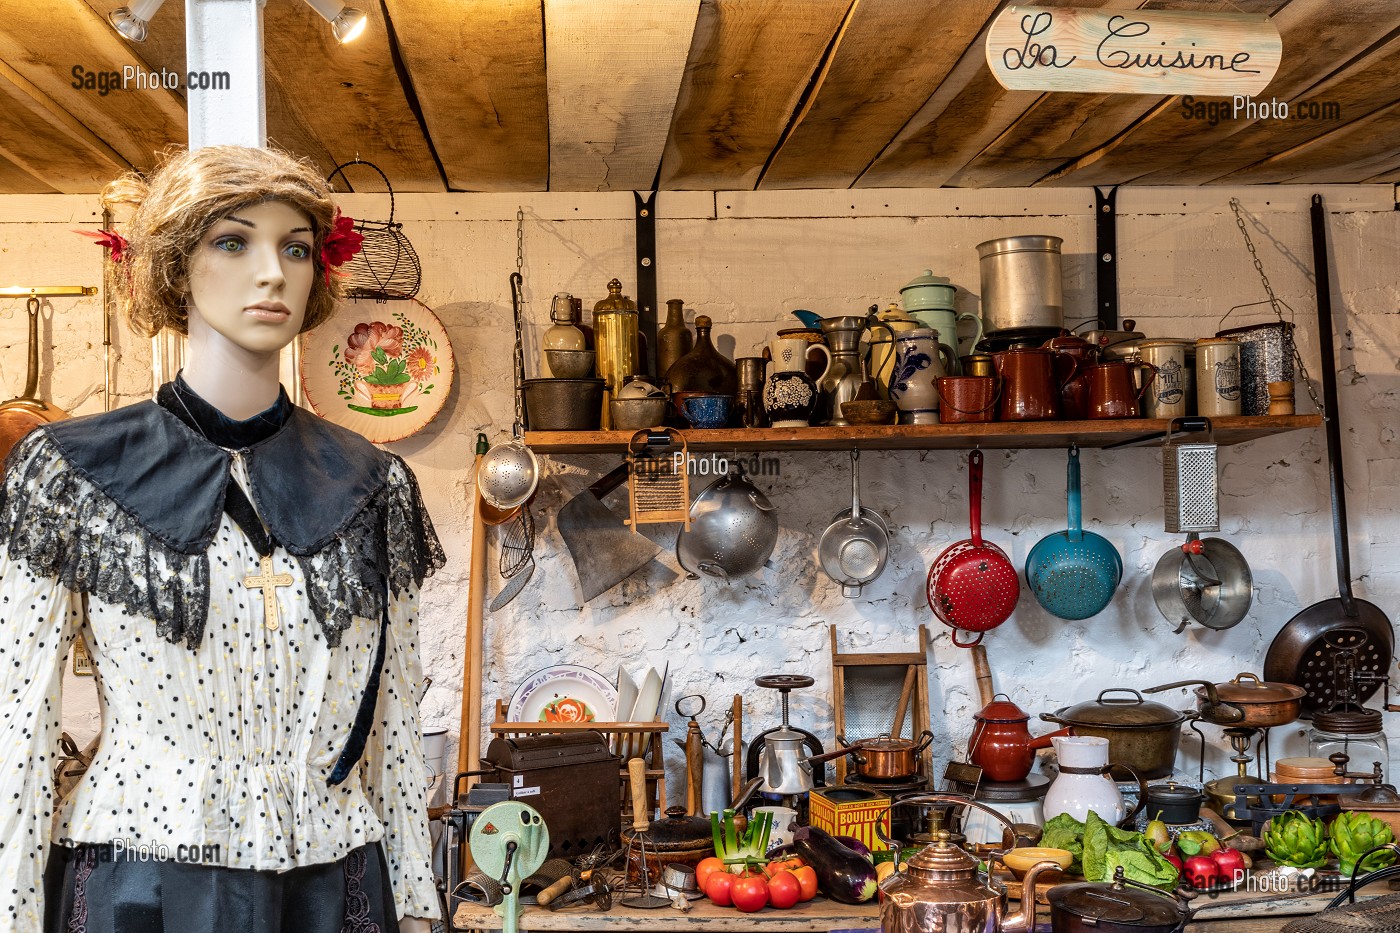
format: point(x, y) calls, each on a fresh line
point(708, 411)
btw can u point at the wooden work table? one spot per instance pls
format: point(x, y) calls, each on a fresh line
point(1225, 914)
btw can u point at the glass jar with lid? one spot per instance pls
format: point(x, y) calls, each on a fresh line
point(563, 334)
point(1358, 734)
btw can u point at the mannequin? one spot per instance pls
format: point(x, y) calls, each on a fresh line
point(245, 577)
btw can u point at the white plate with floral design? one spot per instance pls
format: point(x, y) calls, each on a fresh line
point(564, 693)
point(383, 370)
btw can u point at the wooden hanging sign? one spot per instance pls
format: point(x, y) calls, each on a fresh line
point(1032, 48)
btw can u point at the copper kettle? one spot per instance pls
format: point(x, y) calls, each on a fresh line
point(940, 889)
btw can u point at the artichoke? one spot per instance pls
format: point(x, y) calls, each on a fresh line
point(1352, 833)
point(1293, 838)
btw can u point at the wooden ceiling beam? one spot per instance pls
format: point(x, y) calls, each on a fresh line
point(748, 65)
point(614, 70)
point(478, 71)
point(890, 57)
point(1348, 154)
point(45, 42)
point(39, 136)
point(17, 180)
point(1167, 148)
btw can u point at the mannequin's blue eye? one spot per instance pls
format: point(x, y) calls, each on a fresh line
point(298, 250)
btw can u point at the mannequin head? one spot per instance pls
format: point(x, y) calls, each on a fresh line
point(189, 235)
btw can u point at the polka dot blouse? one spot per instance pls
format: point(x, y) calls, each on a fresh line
point(229, 744)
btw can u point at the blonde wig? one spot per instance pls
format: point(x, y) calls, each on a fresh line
point(177, 204)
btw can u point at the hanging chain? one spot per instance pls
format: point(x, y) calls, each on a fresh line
point(1275, 303)
point(517, 282)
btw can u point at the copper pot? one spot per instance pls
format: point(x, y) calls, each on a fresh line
point(965, 399)
point(1261, 704)
point(1031, 381)
point(882, 758)
point(1111, 393)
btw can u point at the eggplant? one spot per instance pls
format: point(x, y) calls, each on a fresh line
point(842, 873)
point(855, 845)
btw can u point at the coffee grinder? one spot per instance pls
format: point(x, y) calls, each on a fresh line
point(780, 755)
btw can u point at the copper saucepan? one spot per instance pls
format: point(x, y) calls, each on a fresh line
point(1261, 704)
point(882, 758)
point(21, 415)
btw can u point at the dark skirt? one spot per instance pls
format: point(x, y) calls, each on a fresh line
point(96, 889)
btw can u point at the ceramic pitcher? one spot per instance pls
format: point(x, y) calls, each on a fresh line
point(790, 395)
point(1083, 783)
point(919, 360)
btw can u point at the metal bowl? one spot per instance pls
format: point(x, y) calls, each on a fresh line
point(1214, 588)
point(570, 364)
point(508, 474)
point(635, 414)
point(733, 528)
point(564, 404)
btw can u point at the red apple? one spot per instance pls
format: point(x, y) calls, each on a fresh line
point(1202, 872)
point(1230, 862)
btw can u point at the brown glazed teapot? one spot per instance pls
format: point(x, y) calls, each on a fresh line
point(940, 888)
point(1031, 382)
point(1001, 744)
point(1074, 393)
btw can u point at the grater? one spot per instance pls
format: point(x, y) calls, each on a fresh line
point(1190, 490)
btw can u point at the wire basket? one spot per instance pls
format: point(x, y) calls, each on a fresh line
point(386, 267)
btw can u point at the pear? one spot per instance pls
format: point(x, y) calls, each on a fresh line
point(1158, 836)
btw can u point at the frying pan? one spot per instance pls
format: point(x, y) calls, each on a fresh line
point(21, 415)
point(1073, 573)
point(1323, 632)
point(973, 585)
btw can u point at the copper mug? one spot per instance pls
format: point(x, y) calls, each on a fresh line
point(1111, 390)
point(1031, 379)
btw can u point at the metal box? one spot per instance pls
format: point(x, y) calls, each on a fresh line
point(572, 779)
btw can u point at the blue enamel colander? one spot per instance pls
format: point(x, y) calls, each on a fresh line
point(1074, 573)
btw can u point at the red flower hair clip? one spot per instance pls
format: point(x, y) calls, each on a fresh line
point(341, 243)
point(111, 240)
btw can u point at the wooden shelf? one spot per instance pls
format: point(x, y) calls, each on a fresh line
point(993, 435)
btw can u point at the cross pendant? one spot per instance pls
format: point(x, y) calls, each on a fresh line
point(267, 581)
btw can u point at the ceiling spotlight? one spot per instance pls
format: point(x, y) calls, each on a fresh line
point(131, 21)
point(346, 22)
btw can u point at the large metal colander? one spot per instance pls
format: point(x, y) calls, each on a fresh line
point(733, 529)
point(508, 474)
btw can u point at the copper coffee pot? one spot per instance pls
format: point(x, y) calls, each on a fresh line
point(1111, 393)
point(1074, 393)
point(940, 889)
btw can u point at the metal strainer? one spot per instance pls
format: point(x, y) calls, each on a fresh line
point(508, 474)
point(733, 528)
point(1073, 573)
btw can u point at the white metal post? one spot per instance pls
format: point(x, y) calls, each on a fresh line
point(224, 72)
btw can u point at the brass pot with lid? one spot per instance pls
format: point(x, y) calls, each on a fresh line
point(940, 888)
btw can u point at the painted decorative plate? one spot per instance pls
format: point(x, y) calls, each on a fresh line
point(564, 693)
point(383, 370)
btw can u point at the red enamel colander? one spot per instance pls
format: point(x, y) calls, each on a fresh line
point(972, 585)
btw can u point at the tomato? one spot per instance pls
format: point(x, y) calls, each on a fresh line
point(719, 887)
point(750, 893)
point(784, 890)
point(782, 864)
point(707, 867)
point(807, 880)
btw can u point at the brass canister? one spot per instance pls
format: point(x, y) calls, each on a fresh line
point(615, 324)
point(978, 364)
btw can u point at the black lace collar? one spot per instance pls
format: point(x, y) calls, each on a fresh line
point(310, 478)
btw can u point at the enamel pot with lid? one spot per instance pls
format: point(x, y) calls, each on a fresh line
point(1142, 734)
point(1123, 906)
point(1001, 743)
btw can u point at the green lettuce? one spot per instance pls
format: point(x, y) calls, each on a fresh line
point(1106, 847)
point(1065, 832)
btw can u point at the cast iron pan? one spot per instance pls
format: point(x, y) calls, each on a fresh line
point(1305, 651)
